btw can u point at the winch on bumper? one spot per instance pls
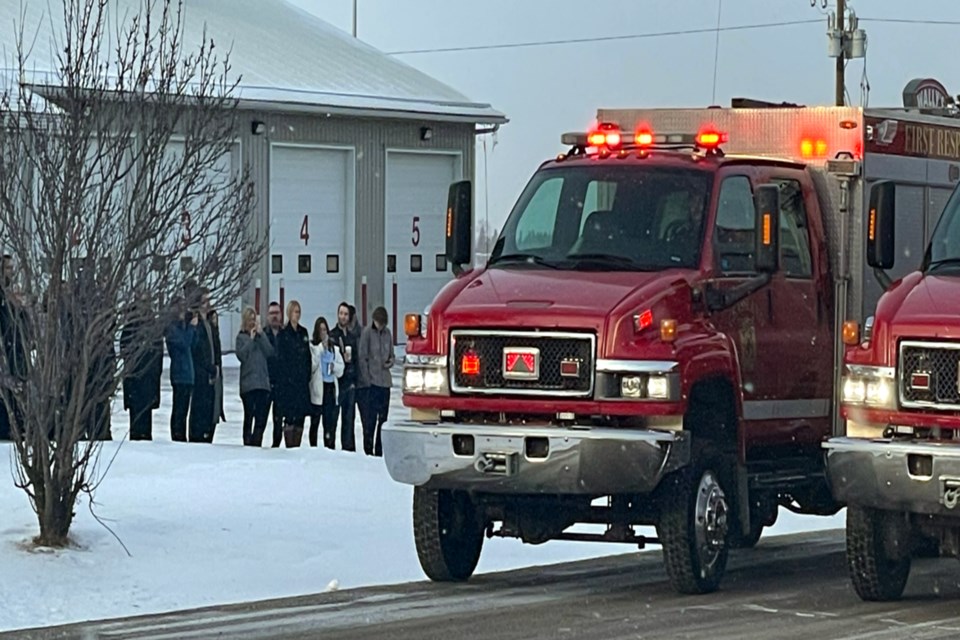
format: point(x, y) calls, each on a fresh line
point(904, 476)
point(529, 460)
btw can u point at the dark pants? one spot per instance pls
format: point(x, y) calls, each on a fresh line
point(277, 421)
point(141, 423)
point(182, 393)
point(328, 413)
point(256, 406)
point(99, 422)
point(202, 413)
point(348, 415)
point(4, 422)
point(374, 408)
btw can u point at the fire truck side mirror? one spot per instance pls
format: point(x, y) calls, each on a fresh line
point(767, 227)
point(459, 225)
point(880, 230)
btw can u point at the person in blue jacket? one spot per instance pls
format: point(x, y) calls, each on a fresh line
point(181, 335)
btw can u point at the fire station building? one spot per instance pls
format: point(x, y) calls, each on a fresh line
point(351, 151)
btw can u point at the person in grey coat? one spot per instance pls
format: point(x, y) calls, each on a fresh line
point(254, 350)
point(375, 363)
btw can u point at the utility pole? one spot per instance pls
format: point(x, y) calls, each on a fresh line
point(845, 41)
point(355, 18)
point(841, 59)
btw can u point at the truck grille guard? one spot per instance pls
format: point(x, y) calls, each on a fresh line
point(930, 375)
point(561, 363)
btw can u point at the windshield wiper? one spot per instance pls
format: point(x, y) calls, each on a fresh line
point(945, 262)
point(605, 259)
point(529, 258)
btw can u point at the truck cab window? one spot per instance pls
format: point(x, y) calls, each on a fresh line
point(795, 259)
point(733, 238)
point(624, 217)
point(945, 243)
point(535, 230)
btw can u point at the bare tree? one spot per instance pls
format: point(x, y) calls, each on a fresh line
point(115, 191)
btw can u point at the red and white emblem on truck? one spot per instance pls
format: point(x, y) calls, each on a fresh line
point(920, 381)
point(521, 363)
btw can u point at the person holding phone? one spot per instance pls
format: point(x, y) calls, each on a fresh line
point(348, 342)
point(326, 367)
point(254, 351)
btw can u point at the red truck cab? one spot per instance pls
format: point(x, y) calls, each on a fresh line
point(650, 343)
point(898, 466)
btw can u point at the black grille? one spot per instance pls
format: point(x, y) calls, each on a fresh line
point(936, 365)
point(554, 350)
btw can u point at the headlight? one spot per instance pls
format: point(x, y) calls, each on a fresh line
point(658, 387)
point(649, 387)
point(631, 387)
point(870, 386)
point(425, 375)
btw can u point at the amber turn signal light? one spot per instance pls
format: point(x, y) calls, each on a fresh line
point(668, 330)
point(411, 325)
point(851, 333)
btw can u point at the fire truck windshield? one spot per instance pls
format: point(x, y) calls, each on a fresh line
point(944, 250)
point(607, 217)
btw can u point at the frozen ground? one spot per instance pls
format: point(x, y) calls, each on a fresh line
point(216, 524)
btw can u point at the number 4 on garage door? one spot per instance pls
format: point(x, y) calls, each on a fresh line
point(305, 230)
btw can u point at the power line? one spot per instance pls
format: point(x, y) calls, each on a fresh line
point(911, 21)
point(634, 36)
point(662, 34)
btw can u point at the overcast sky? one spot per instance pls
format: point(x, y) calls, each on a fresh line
point(548, 90)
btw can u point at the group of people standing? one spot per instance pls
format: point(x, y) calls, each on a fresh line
point(326, 375)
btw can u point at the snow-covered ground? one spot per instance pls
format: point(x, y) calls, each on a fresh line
point(206, 525)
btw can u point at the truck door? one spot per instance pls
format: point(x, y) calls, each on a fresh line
point(800, 323)
point(747, 322)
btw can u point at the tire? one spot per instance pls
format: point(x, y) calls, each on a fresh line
point(876, 575)
point(694, 518)
point(748, 540)
point(448, 533)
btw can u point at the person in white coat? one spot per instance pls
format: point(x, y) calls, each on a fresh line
point(326, 368)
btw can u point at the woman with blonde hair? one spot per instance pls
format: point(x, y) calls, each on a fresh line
point(253, 350)
point(293, 355)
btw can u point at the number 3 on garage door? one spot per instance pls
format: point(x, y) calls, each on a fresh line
point(416, 231)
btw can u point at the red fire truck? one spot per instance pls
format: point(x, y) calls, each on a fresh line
point(898, 466)
point(655, 337)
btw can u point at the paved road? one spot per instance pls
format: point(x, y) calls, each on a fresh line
point(793, 587)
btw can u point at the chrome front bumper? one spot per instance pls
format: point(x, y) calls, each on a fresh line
point(898, 476)
point(577, 460)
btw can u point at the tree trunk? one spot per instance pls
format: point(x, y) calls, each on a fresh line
point(55, 515)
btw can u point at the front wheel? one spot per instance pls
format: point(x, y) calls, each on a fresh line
point(693, 528)
point(448, 532)
point(878, 553)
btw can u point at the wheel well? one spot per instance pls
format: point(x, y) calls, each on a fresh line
point(711, 414)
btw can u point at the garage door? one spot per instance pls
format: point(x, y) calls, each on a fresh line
point(219, 176)
point(311, 213)
point(416, 269)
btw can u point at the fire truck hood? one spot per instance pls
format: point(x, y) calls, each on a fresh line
point(930, 308)
point(546, 298)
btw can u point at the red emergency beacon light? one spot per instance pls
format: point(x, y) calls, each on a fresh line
point(605, 135)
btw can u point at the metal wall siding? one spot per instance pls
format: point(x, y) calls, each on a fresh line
point(371, 138)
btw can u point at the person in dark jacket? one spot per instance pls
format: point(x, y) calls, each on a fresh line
point(181, 335)
point(12, 327)
point(293, 346)
point(218, 413)
point(203, 408)
point(375, 363)
point(348, 343)
point(254, 352)
point(271, 331)
point(142, 368)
